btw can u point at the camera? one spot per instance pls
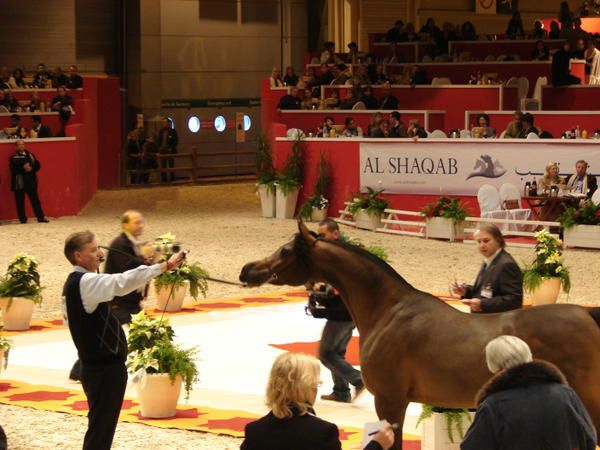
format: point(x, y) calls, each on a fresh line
point(167, 248)
point(317, 300)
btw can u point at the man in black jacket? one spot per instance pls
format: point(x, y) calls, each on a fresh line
point(41, 131)
point(581, 182)
point(167, 142)
point(561, 71)
point(337, 333)
point(24, 167)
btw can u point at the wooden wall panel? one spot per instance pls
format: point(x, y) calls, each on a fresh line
point(96, 35)
point(378, 16)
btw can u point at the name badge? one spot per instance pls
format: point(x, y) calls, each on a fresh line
point(487, 292)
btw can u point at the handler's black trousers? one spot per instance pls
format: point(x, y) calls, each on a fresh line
point(104, 386)
point(35, 204)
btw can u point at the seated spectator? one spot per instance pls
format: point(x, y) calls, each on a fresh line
point(591, 52)
point(467, 32)
point(419, 76)
point(59, 78)
point(515, 27)
point(352, 99)
point(397, 128)
point(527, 404)
point(396, 33)
point(333, 101)
point(354, 54)
point(368, 98)
point(528, 127)
point(42, 78)
point(62, 101)
point(374, 124)
point(290, 100)
point(343, 74)
point(579, 50)
point(325, 76)
point(361, 75)
point(351, 129)
point(4, 106)
point(551, 178)
point(292, 423)
point(561, 71)
point(36, 103)
point(538, 31)
point(74, 80)
point(4, 78)
point(483, 120)
point(409, 33)
point(383, 131)
point(415, 130)
point(38, 130)
point(17, 80)
point(11, 103)
point(578, 34)
point(447, 34)
point(580, 181)
point(308, 102)
point(15, 130)
point(290, 78)
point(379, 76)
point(275, 78)
point(554, 30)
point(388, 101)
point(540, 53)
point(429, 28)
point(328, 54)
point(325, 129)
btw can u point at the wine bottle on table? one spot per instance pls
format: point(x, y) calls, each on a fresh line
point(534, 187)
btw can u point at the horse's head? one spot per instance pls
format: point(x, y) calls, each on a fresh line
point(288, 265)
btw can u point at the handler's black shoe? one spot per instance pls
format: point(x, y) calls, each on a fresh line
point(335, 398)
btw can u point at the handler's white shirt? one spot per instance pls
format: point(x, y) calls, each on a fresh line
point(96, 288)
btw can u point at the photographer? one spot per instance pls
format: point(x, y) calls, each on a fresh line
point(337, 332)
point(97, 334)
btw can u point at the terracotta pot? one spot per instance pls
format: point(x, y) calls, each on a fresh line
point(18, 315)
point(547, 292)
point(175, 299)
point(267, 201)
point(158, 395)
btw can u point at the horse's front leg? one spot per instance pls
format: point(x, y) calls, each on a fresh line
point(392, 410)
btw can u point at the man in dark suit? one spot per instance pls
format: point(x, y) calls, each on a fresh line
point(561, 72)
point(24, 167)
point(41, 131)
point(127, 255)
point(581, 182)
point(499, 284)
point(74, 81)
point(167, 142)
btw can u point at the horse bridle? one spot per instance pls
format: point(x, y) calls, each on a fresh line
point(272, 271)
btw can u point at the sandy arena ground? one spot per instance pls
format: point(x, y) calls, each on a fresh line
point(221, 224)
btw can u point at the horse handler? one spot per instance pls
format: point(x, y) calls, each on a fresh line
point(97, 334)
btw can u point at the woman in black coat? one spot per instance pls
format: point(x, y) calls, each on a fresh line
point(527, 405)
point(292, 423)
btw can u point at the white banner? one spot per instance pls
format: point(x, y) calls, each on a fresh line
point(455, 168)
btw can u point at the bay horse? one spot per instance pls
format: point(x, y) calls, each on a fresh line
point(416, 348)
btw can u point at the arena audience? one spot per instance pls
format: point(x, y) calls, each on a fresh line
point(538, 31)
point(326, 129)
point(379, 76)
point(515, 27)
point(554, 30)
point(415, 129)
point(17, 80)
point(74, 80)
point(551, 178)
point(374, 124)
point(388, 100)
point(62, 101)
point(368, 98)
point(290, 78)
point(275, 78)
point(4, 78)
point(383, 130)
point(333, 101)
point(540, 53)
point(581, 181)
point(290, 100)
point(483, 121)
point(396, 34)
point(59, 78)
point(514, 129)
point(397, 128)
point(167, 141)
point(42, 78)
point(565, 17)
point(352, 130)
point(527, 120)
point(38, 130)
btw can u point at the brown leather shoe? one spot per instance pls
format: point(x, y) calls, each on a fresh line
point(358, 390)
point(335, 398)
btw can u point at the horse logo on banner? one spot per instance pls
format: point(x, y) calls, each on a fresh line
point(485, 167)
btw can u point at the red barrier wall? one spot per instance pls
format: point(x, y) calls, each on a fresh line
point(109, 132)
point(571, 98)
point(45, 94)
point(49, 119)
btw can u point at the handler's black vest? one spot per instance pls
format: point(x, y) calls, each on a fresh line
point(98, 336)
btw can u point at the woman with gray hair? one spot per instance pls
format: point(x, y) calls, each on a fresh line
point(527, 404)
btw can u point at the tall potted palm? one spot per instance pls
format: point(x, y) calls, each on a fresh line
point(289, 181)
point(544, 276)
point(266, 176)
point(160, 367)
point(20, 291)
point(315, 207)
point(171, 286)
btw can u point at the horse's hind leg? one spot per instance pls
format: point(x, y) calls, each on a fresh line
point(392, 410)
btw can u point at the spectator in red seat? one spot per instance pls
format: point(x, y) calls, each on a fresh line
point(4, 78)
point(3, 104)
point(351, 129)
point(375, 123)
point(333, 101)
point(397, 128)
point(383, 131)
point(275, 78)
point(15, 130)
point(565, 17)
point(415, 130)
point(38, 130)
point(74, 80)
point(483, 120)
point(551, 178)
point(554, 30)
point(429, 28)
point(540, 53)
point(342, 74)
point(379, 76)
point(396, 34)
point(308, 102)
point(11, 102)
point(410, 34)
point(538, 31)
point(368, 98)
point(361, 75)
point(62, 101)
point(17, 81)
point(352, 99)
point(561, 72)
point(328, 54)
point(515, 27)
point(291, 100)
point(388, 101)
point(42, 78)
point(290, 78)
point(325, 129)
point(419, 76)
point(59, 78)
point(528, 126)
point(580, 181)
point(467, 32)
point(36, 103)
point(579, 50)
point(354, 54)
point(578, 34)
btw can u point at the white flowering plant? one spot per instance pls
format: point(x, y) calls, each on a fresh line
point(5, 346)
point(22, 279)
point(548, 263)
point(191, 272)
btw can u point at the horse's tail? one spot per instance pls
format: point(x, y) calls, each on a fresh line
point(595, 313)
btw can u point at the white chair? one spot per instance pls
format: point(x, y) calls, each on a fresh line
point(502, 135)
point(595, 72)
point(437, 134)
point(294, 133)
point(359, 105)
point(523, 89)
point(532, 136)
point(596, 197)
point(490, 58)
point(490, 206)
point(510, 197)
point(440, 80)
point(465, 134)
point(533, 104)
point(501, 58)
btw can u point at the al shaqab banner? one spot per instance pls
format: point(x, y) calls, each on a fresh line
point(457, 168)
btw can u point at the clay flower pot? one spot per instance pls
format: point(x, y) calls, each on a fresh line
point(158, 395)
point(17, 316)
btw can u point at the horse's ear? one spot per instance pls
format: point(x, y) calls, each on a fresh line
point(305, 233)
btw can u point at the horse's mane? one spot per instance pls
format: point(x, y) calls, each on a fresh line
point(301, 248)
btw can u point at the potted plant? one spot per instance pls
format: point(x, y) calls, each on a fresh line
point(545, 275)
point(445, 219)
point(581, 226)
point(171, 285)
point(160, 366)
point(5, 346)
point(289, 181)
point(315, 207)
point(368, 208)
point(443, 428)
point(20, 291)
point(266, 176)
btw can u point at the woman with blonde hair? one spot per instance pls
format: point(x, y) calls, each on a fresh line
point(275, 78)
point(551, 178)
point(292, 423)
